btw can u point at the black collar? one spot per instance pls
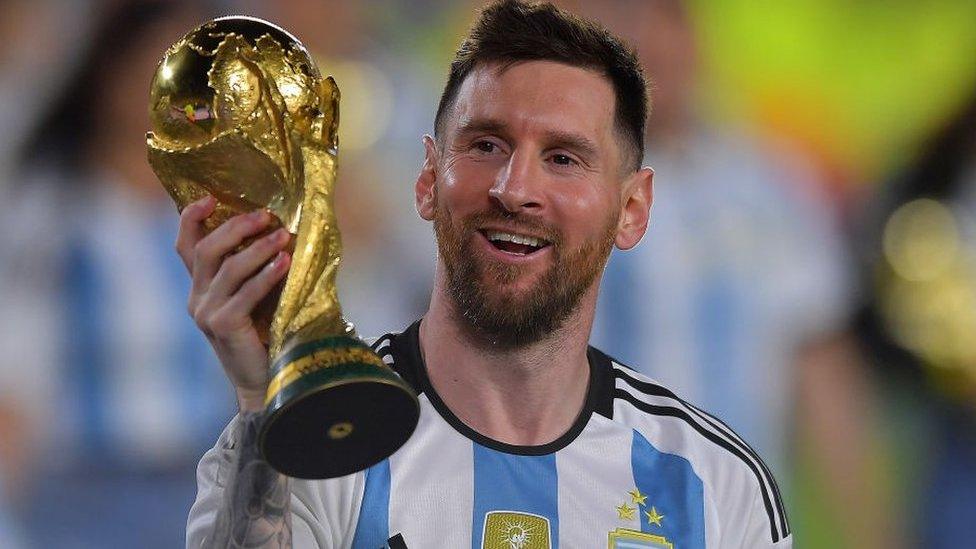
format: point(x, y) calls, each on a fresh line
point(409, 363)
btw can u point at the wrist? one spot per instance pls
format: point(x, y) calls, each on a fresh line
point(250, 400)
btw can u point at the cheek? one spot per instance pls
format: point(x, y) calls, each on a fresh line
point(586, 211)
point(466, 185)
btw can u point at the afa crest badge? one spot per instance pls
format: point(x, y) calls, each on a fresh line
point(514, 530)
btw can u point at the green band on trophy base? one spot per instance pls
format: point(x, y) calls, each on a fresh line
point(333, 409)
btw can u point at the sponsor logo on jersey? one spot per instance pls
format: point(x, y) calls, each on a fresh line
point(622, 538)
point(514, 530)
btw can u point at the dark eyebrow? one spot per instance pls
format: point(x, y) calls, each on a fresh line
point(480, 125)
point(572, 141)
point(554, 138)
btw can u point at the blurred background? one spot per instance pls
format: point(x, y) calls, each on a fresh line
point(809, 274)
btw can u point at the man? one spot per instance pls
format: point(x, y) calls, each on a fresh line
point(527, 437)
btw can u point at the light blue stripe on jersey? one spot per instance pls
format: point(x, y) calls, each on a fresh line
point(507, 482)
point(373, 528)
point(673, 490)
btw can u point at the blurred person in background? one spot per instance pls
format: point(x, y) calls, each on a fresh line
point(30, 65)
point(739, 296)
point(120, 392)
point(29, 61)
point(919, 324)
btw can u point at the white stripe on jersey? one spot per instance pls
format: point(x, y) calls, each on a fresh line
point(422, 479)
point(602, 467)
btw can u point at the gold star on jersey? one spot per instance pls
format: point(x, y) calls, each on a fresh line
point(626, 512)
point(653, 517)
point(628, 537)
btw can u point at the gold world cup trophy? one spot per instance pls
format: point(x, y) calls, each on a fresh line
point(240, 111)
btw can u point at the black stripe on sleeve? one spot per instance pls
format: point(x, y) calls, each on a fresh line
point(710, 419)
point(404, 347)
point(381, 345)
point(389, 347)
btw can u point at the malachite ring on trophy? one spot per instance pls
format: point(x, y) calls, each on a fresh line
point(239, 111)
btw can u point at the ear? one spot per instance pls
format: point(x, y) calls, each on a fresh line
point(425, 189)
point(636, 210)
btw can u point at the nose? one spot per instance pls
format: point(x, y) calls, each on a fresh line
point(518, 187)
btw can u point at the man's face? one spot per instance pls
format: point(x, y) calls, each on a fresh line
point(526, 196)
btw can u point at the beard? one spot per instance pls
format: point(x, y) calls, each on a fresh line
point(494, 312)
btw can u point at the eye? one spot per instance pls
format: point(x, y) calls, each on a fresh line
point(485, 146)
point(562, 160)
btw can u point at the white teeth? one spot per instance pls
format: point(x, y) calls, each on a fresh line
point(516, 238)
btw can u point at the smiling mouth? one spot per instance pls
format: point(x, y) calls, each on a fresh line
point(513, 243)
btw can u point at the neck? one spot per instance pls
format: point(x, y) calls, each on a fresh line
point(525, 396)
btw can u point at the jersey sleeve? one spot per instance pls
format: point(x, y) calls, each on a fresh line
point(323, 512)
point(754, 532)
point(746, 507)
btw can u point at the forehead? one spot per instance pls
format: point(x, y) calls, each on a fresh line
point(537, 96)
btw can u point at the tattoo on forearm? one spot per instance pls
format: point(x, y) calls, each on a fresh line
point(255, 511)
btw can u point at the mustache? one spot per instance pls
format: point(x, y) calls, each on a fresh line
point(512, 221)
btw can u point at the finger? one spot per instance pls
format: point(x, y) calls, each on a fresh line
point(191, 228)
point(237, 268)
point(258, 287)
point(209, 252)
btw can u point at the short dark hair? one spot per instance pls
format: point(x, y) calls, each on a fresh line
point(511, 31)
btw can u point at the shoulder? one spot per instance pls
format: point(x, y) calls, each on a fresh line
point(401, 352)
point(735, 478)
point(383, 346)
point(380, 344)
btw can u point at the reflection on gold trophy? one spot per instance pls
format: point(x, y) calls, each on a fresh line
point(239, 111)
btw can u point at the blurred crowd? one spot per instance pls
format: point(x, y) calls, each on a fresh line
point(809, 275)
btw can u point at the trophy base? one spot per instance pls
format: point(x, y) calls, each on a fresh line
point(334, 409)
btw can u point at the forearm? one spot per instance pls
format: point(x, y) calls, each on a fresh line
point(255, 508)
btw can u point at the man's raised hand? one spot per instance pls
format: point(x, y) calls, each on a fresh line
point(228, 285)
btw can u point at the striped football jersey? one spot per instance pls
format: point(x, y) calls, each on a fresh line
point(640, 468)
